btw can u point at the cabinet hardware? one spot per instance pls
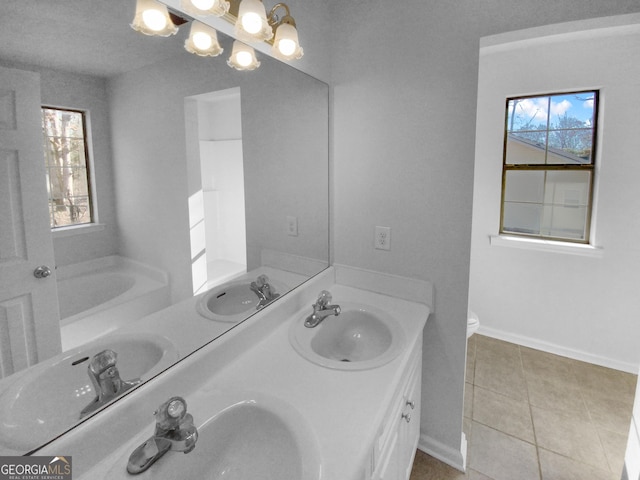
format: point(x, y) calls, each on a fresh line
point(42, 272)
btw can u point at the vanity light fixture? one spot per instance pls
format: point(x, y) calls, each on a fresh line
point(203, 40)
point(204, 8)
point(243, 57)
point(252, 24)
point(152, 18)
point(285, 43)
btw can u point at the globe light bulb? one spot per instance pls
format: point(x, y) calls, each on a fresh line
point(202, 40)
point(244, 58)
point(287, 47)
point(251, 22)
point(154, 19)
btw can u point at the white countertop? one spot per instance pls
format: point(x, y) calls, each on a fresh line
point(343, 409)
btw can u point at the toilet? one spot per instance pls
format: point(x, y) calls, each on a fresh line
point(472, 323)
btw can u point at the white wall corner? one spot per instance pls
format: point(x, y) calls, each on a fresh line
point(412, 289)
point(452, 457)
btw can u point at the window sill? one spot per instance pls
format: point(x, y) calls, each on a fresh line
point(546, 246)
point(77, 230)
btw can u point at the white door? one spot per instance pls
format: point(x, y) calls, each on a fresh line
point(29, 316)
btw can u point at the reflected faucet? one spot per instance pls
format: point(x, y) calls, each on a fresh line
point(321, 310)
point(106, 380)
point(175, 431)
point(264, 290)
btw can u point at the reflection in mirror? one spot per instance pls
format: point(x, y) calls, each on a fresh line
point(210, 194)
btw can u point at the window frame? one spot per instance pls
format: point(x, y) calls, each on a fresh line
point(545, 167)
point(86, 137)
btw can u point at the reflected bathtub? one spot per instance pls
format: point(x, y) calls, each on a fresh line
point(99, 296)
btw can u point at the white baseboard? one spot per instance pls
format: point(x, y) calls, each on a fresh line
point(558, 350)
point(452, 457)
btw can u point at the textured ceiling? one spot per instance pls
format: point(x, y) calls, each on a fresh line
point(85, 36)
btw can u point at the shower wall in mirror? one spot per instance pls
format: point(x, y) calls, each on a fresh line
point(141, 93)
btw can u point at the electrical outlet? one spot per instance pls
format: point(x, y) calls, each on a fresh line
point(382, 238)
point(292, 226)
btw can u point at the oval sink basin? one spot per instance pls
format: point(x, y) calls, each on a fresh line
point(47, 399)
point(361, 337)
point(232, 302)
point(260, 437)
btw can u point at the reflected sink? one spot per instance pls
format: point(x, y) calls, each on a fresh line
point(361, 337)
point(47, 399)
point(254, 438)
point(232, 302)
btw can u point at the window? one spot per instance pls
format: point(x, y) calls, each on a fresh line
point(67, 166)
point(548, 168)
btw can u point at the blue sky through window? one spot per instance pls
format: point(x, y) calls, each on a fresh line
point(533, 113)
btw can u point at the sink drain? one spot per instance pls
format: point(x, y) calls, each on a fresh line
point(345, 360)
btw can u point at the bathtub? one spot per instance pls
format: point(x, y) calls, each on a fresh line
point(99, 296)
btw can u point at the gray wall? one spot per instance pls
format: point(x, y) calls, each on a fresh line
point(84, 92)
point(404, 86)
point(284, 125)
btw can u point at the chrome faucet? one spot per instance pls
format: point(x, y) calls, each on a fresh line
point(321, 310)
point(106, 380)
point(175, 431)
point(266, 293)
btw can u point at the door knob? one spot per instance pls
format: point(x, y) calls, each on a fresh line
point(42, 272)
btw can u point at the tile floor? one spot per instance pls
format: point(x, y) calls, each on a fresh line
point(531, 415)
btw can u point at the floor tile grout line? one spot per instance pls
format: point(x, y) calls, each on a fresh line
point(604, 450)
point(533, 444)
point(573, 460)
point(533, 425)
point(582, 389)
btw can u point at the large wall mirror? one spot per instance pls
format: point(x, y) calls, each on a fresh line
point(210, 183)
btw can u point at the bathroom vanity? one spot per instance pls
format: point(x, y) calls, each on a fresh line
point(338, 406)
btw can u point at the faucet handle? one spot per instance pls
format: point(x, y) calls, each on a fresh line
point(324, 298)
point(106, 380)
point(170, 414)
point(102, 361)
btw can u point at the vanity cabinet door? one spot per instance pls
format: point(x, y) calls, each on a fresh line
point(390, 467)
point(402, 429)
point(410, 425)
